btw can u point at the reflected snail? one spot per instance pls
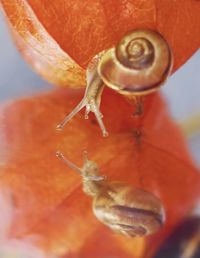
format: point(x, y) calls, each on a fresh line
point(138, 65)
point(125, 209)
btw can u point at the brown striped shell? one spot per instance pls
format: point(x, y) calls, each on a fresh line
point(139, 64)
point(128, 210)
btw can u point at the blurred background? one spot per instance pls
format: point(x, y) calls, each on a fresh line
point(182, 91)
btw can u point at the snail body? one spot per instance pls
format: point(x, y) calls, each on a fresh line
point(138, 65)
point(123, 208)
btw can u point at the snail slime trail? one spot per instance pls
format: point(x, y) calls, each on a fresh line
point(123, 208)
point(138, 65)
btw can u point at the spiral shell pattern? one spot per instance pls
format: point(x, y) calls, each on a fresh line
point(139, 64)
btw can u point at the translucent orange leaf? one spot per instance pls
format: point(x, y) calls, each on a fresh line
point(46, 195)
point(60, 37)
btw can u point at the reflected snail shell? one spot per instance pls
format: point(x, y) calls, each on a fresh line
point(139, 64)
point(128, 210)
point(124, 208)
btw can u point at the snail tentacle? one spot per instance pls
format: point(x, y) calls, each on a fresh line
point(78, 108)
point(91, 100)
point(68, 162)
point(81, 171)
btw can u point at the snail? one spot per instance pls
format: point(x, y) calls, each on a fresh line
point(138, 65)
point(123, 208)
point(183, 242)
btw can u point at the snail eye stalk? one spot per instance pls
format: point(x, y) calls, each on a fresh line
point(91, 101)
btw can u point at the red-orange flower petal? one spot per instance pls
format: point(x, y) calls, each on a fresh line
point(57, 36)
point(47, 197)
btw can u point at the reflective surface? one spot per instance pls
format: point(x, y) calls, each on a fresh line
point(32, 167)
point(182, 91)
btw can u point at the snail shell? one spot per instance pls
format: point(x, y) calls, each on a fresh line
point(139, 64)
point(123, 208)
point(128, 210)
